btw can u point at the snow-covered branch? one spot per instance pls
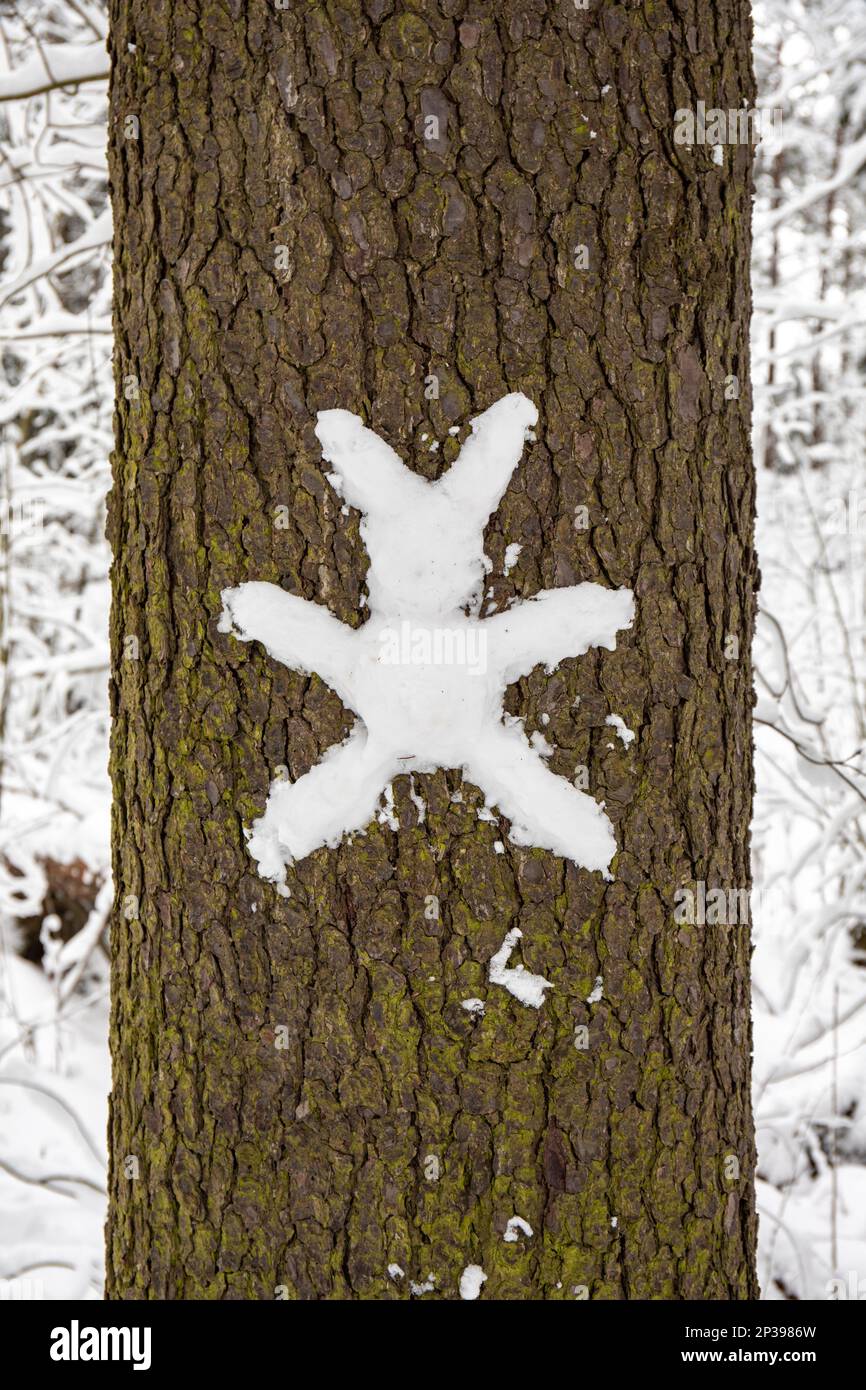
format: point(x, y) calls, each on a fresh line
point(52, 67)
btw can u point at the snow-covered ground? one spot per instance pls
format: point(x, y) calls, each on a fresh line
point(53, 1088)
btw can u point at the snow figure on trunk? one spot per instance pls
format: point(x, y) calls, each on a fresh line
point(425, 676)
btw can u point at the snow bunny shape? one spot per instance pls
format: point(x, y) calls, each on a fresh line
point(425, 542)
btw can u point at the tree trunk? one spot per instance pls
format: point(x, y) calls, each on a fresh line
point(300, 1100)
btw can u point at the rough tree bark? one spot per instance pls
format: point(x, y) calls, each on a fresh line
point(296, 1085)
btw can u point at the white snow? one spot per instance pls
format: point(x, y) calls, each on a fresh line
point(428, 1286)
point(515, 1225)
point(55, 65)
point(417, 801)
point(512, 551)
point(597, 991)
point(427, 564)
point(528, 988)
point(471, 1280)
point(54, 1084)
point(473, 1006)
point(387, 815)
point(623, 731)
point(395, 1272)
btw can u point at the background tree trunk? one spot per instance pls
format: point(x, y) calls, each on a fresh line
point(393, 1127)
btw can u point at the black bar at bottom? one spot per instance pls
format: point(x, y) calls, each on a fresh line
point(294, 1341)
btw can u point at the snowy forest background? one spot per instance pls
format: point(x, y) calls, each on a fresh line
point(56, 393)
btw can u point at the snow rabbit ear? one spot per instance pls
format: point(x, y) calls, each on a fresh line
point(477, 479)
point(367, 472)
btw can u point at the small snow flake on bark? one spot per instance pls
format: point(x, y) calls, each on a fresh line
point(623, 732)
point(473, 1006)
point(597, 990)
point(471, 1280)
point(528, 988)
point(428, 1286)
point(515, 1225)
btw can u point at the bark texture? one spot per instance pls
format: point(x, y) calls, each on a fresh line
point(306, 1100)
